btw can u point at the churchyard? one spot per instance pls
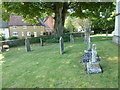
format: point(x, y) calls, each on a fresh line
point(45, 67)
point(68, 50)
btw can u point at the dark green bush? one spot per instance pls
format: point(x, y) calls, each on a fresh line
point(2, 38)
point(52, 39)
point(13, 38)
point(66, 38)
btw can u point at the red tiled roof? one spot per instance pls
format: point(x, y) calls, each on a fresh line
point(17, 21)
point(50, 22)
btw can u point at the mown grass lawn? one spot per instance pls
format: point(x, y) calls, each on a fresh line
point(44, 67)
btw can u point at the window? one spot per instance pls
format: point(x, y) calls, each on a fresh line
point(34, 27)
point(28, 33)
point(35, 34)
point(15, 33)
point(14, 27)
point(41, 33)
point(24, 27)
point(22, 33)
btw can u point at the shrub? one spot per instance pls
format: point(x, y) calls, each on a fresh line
point(51, 40)
point(66, 38)
point(2, 38)
point(32, 35)
point(13, 38)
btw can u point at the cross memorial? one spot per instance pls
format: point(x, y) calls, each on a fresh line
point(90, 57)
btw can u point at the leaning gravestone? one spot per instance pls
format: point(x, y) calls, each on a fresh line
point(71, 38)
point(27, 45)
point(41, 41)
point(61, 45)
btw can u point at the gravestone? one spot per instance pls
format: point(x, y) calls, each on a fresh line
point(27, 45)
point(1, 47)
point(90, 58)
point(87, 35)
point(61, 45)
point(93, 66)
point(41, 41)
point(71, 38)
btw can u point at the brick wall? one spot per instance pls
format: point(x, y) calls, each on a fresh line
point(31, 29)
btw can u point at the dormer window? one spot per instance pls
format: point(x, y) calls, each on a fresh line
point(24, 27)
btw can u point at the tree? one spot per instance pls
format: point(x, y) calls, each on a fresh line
point(32, 11)
point(74, 23)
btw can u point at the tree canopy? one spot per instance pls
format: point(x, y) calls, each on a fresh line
point(33, 11)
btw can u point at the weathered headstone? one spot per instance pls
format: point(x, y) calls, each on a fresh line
point(71, 38)
point(27, 45)
point(61, 45)
point(1, 47)
point(87, 35)
point(93, 66)
point(41, 41)
point(90, 58)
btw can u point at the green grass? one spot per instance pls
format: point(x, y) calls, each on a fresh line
point(44, 67)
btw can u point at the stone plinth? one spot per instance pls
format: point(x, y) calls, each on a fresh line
point(86, 57)
point(93, 68)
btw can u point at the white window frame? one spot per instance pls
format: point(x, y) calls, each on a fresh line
point(15, 34)
point(35, 34)
point(22, 33)
point(28, 33)
point(41, 33)
point(24, 27)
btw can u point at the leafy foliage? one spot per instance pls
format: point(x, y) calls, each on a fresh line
point(33, 11)
point(12, 38)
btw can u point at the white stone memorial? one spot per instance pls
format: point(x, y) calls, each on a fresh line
point(116, 37)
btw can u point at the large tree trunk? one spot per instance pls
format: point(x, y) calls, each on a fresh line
point(60, 13)
point(58, 19)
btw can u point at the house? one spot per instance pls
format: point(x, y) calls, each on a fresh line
point(4, 29)
point(50, 22)
point(21, 29)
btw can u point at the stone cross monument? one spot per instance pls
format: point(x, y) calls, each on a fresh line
point(87, 35)
point(90, 57)
point(94, 53)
